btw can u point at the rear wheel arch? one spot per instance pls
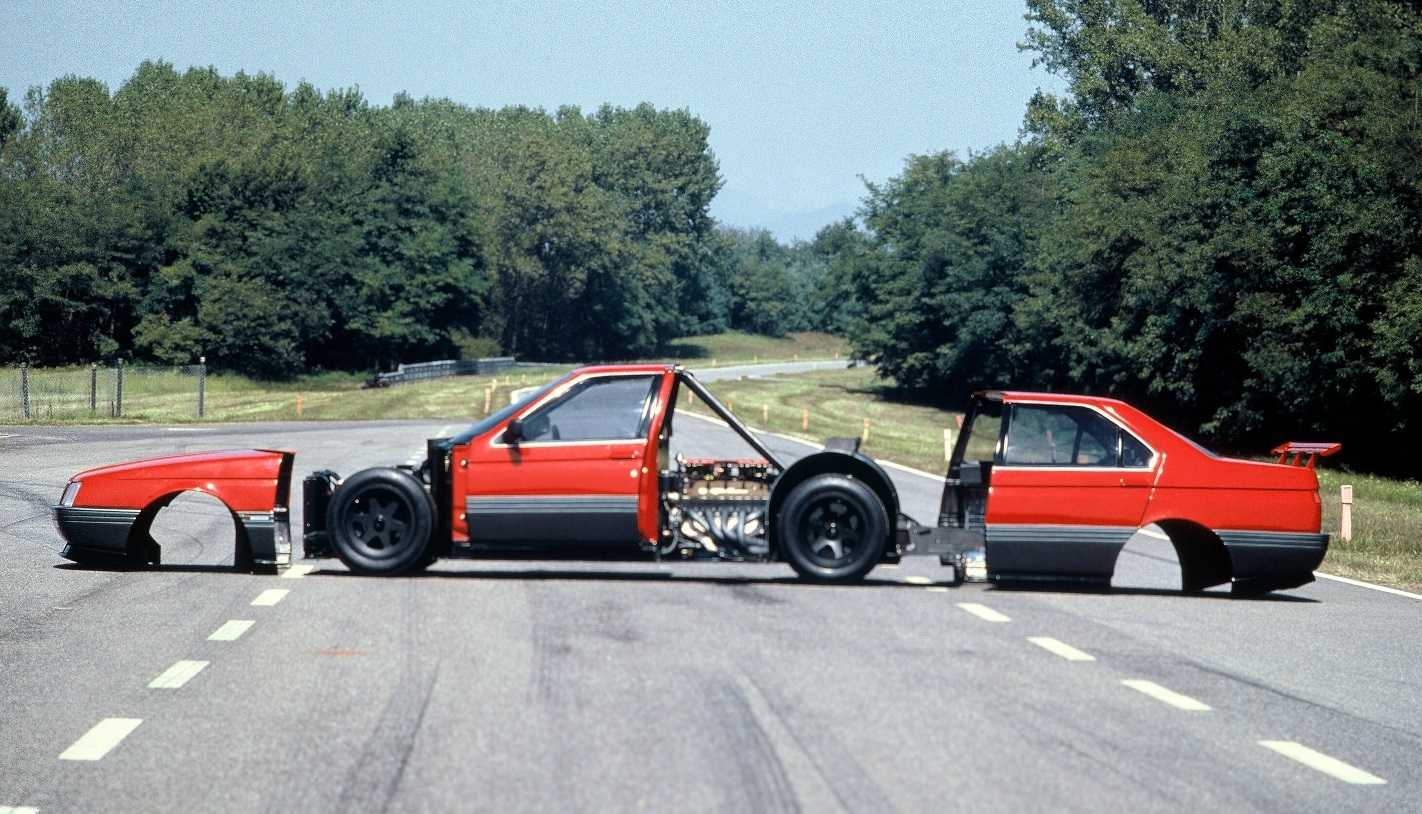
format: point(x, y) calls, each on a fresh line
point(1204, 558)
point(835, 462)
point(855, 477)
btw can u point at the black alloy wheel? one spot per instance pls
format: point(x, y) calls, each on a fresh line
point(380, 522)
point(833, 528)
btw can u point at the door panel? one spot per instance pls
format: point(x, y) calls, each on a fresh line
point(575, 474)
point(1068, 493)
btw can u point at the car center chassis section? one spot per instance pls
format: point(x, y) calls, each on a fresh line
point(491, 499)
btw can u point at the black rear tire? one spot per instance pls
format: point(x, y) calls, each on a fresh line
point(832, 528)
point(380, 522)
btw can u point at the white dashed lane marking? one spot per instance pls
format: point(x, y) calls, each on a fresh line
point(298, 571)
point(98, 741)
point(177, 675)
point(917, 580)
point(1060, 648)
point(18, 809)
point(270, 596)
point(984, 612)
point(232, 631)
point(1323, 763)
point(1163, 695)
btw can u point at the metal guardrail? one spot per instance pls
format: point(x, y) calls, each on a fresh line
point(422, 371)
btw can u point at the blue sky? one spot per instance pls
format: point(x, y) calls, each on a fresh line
point(803, 99)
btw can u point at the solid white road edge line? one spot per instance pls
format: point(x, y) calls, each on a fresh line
point(232, 630)
point(97, 742)
point(177, 675)
point(1323, 763)
point(1170, 697)
point(984, 612)
point(270, 597)
point(1060, 648)
point(298, 571)
point(1362, 584)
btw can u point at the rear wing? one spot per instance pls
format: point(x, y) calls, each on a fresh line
point(1298, 449)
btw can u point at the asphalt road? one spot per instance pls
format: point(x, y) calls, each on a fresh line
point(557, 686)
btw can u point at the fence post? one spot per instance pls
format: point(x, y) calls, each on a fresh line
point(93, 387)
point(1346, 521)
point(118, 392)
point(25, 386)
point(202, 386)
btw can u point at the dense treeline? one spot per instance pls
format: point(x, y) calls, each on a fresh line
point(276, 231)
point(1220, 221)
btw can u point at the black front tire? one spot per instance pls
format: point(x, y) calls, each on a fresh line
point(832, 528)
point(381, 522)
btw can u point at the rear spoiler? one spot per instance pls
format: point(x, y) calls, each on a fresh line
point(1298, 449)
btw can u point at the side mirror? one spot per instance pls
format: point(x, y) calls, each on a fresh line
point(513, 433)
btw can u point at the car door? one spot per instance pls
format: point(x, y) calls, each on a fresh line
point(1068, 490)
point(573, 473)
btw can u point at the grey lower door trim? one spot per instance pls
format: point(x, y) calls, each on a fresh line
point(553, 519)
point(1048, 551)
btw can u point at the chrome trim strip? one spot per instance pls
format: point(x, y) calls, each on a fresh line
point(1024, 533)
point(1290, 539)
point(553, 504)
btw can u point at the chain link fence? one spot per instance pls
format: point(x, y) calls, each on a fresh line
point(102, 392)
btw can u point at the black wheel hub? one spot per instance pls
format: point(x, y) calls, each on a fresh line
point(377, 522)
point(832, 530)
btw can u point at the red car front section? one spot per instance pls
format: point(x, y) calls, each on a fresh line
point(105, 513)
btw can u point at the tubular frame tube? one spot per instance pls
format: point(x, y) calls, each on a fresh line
point(727, 416)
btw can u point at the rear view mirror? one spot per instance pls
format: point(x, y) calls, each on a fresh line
point(513, 433)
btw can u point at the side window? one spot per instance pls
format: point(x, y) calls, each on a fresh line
point(1134, 454)
point(606, 409)
point(984, 427)
point(1049, 435)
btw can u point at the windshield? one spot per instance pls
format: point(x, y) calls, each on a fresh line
point(499, 417)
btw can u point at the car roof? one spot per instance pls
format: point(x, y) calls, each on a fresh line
point(658, 367)
point(1047, 398)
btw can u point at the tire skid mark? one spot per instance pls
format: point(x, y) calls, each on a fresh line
point(743, 743)
point(835, 764)
point(373, 779)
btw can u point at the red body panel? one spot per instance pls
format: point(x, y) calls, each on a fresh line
point(1182, 482)
point(247, 480)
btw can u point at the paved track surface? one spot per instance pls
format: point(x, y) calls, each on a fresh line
point(562, 686)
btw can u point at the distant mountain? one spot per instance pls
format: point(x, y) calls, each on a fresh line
point(745, 211)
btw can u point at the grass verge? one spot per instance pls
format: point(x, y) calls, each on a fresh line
point(1387, 529)
point(735, 348)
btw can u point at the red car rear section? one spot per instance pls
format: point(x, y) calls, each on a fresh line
point(1044, 487)
point(1056, 485)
